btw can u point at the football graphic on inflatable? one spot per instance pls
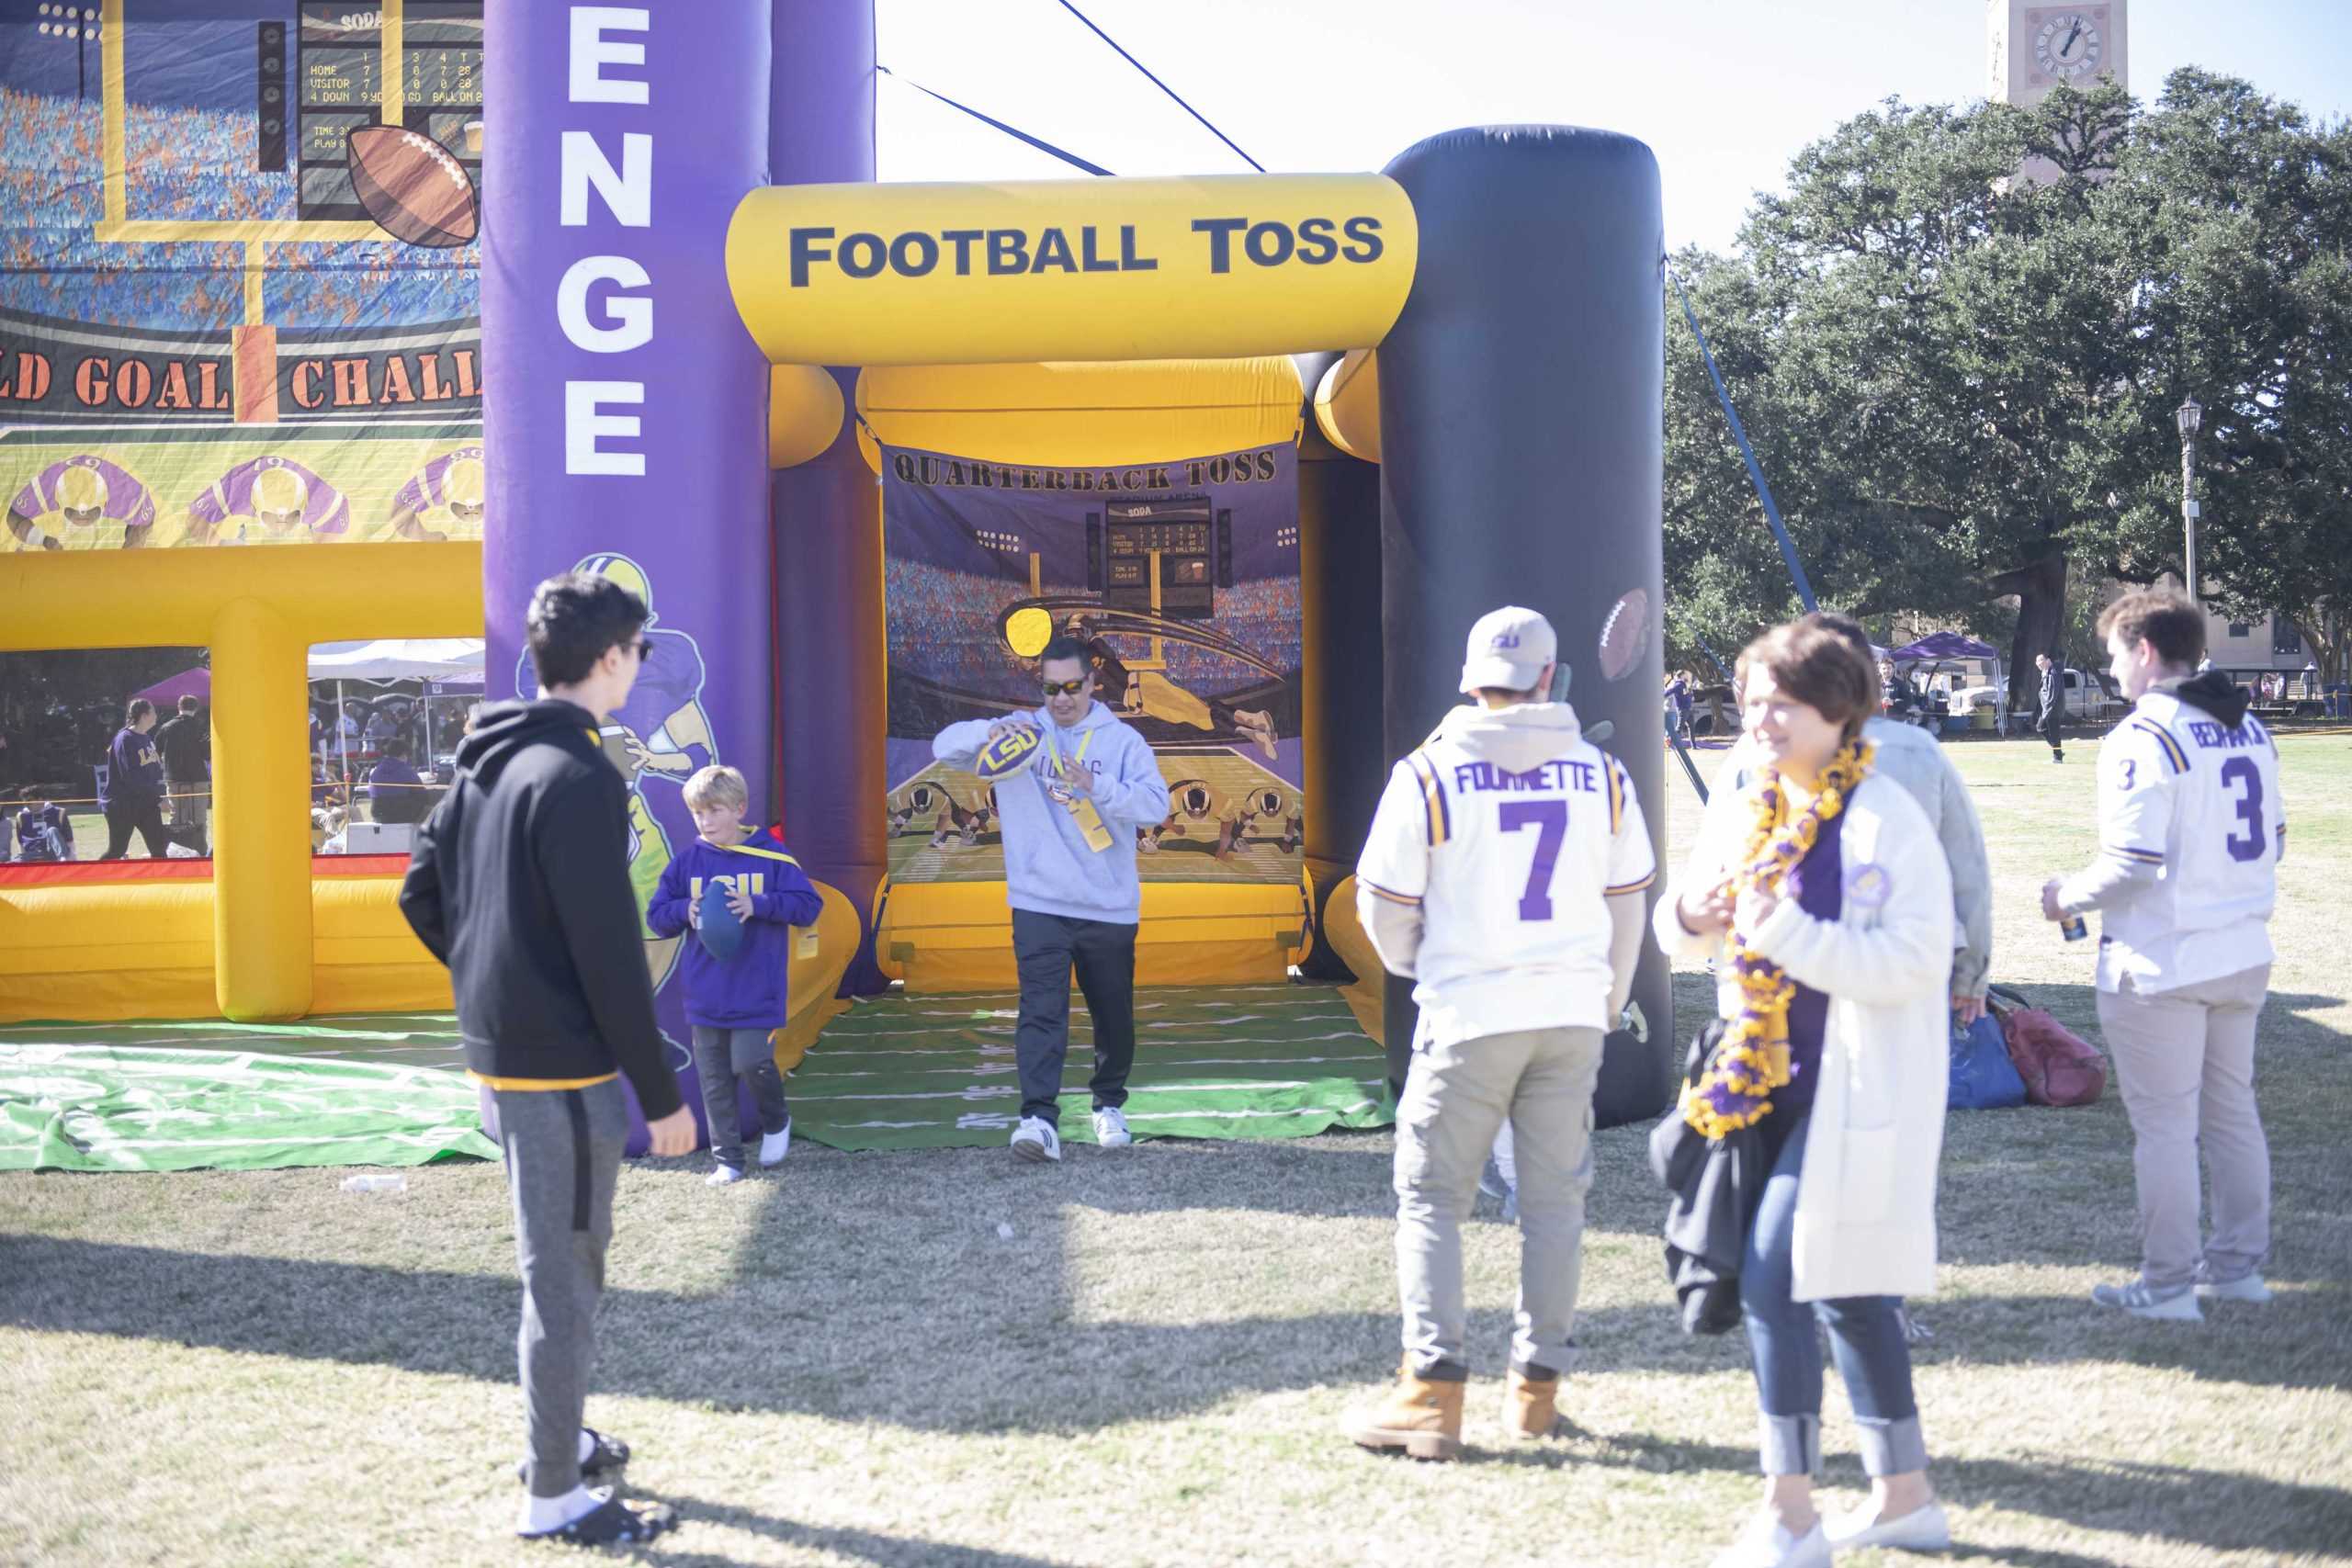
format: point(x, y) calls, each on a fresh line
point(1625, 634)
point(1009, 753)
point(413, 186)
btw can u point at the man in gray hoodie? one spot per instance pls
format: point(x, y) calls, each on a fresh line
point(1069, 818)
point(1503, 874)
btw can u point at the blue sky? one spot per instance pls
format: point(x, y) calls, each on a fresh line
point(1723, 90)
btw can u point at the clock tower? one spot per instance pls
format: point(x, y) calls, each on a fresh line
point(2035, 45)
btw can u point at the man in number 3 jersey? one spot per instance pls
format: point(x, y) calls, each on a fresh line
point(1504, 873)
point(2190, 830)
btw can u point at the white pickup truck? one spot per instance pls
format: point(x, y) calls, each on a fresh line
point(2087, 700)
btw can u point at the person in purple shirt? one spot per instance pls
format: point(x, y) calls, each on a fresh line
point(734, 1004)
point(395, 789)
point(44, 832)
point(134, 792)
point(82, 503)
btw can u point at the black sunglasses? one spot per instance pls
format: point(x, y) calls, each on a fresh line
point(1065, 688)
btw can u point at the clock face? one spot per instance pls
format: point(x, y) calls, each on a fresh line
point(2067, 46)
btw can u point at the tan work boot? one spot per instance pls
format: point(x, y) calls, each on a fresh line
point(1421, 1416)
point(1530, 1404)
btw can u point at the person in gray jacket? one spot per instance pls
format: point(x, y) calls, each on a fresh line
point(1913, 759)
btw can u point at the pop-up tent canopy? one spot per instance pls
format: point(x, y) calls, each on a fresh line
point(399, 659)
point(166, 693)
point(1943, 645)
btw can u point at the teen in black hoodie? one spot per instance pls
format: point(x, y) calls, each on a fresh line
point(519, 882)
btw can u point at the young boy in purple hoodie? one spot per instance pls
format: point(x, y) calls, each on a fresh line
point(733, 1004)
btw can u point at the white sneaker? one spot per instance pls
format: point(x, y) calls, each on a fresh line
point(2178, 1304)
point(2244, 1288)
point(773, 1146)
point(1924, 1528)
point(1035, 1139)
point(725, 1176)
point(1111, 1128)
point(1767, 1543)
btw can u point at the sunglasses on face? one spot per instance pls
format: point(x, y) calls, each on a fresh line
point(1065, 688)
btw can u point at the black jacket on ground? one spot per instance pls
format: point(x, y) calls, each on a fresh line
point(519, 883)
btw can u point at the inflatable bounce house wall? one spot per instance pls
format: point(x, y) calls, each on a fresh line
point(1266, 443)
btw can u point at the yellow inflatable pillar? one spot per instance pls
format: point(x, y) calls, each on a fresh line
point(261, 822)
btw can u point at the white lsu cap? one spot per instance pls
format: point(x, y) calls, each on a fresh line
point(1509, 649)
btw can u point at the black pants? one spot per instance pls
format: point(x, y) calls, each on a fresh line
point(2053, 731)
point(1046, 947)
point(146, 816)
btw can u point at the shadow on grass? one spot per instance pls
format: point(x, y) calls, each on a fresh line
point(674, 1551)
point(2218, 1510)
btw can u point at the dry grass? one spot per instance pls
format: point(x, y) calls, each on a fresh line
point(847, 1365)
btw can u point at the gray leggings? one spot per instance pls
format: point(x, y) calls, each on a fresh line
point(722, 1056)
point(563, 1157)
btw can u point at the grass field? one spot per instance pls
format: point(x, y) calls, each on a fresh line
point(844, 1364)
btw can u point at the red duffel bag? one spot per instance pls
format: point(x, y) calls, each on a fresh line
point(2060, 1067)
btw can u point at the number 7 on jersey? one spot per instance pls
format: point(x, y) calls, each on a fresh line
point(1550, 819)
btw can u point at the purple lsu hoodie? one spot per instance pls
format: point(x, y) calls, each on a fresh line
point(749, 990)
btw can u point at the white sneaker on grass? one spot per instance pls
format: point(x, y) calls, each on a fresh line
point(2244, 1288)
point(1036, 1140)
point(2177, 1305)
point(1111, 1128)
point(725, 1176)
point(1924, 1528)
point(773, 1146)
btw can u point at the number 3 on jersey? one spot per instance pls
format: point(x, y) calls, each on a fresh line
point(2241, 774)
point(1550, 820)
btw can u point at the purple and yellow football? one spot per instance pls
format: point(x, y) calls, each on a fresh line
point(1009, 753)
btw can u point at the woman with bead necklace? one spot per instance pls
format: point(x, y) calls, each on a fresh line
point(1827, 904)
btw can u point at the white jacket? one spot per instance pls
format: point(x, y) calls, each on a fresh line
point(1866, 1208)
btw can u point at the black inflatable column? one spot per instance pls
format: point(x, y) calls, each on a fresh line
point(1338, 562)
point(1521, 462)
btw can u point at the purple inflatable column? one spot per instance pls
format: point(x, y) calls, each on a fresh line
point(625, 410)
point(828, 510)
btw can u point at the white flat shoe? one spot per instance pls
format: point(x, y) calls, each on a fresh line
point(1924, 1528)
point(1767, 1543)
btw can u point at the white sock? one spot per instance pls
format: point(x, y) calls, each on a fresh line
point(542, 1515)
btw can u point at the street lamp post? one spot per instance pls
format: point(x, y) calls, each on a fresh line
point(2189, 416)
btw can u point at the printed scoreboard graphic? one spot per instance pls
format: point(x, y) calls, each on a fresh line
point(341, 51)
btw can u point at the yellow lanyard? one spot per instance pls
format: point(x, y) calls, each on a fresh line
point(1085, 739)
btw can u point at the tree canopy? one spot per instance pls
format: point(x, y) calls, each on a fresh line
point(1959, 381)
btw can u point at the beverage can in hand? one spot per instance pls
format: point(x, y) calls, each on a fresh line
point(2074, 928)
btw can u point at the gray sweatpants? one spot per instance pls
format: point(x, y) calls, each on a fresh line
point(1456, 1097)
point(563, 1157)
point(721, 1056)
point(2185, 1061)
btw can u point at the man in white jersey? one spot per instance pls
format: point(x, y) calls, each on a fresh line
point(2191, 826)
point(1503, 873)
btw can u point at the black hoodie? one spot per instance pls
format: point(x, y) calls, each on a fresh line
point(2217, 695)
point(519, 883)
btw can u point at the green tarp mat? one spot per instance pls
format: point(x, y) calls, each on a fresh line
point(894, 1072)
point(936, 1071)
point(69, 1107)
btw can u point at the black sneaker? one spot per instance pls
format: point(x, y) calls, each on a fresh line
point(611, 1523)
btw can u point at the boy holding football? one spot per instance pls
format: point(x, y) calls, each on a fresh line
point(735, 979)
